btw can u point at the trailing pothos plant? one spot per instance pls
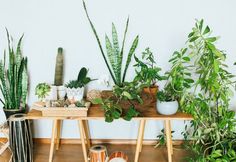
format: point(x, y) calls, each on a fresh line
point(112, 108)
point(115, 53)
point(178, 78)
point(214, 137)
point(146, 70)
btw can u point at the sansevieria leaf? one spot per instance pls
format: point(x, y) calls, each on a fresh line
point(131, 52)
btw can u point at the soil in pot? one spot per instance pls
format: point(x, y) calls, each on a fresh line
point(147, 98)
point(9, 112)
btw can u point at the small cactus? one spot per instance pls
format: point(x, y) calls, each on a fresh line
point(58, 79)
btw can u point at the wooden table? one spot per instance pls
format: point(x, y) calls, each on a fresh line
point(96, 113)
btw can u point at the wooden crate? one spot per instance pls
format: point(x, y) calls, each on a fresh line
point(62, 111)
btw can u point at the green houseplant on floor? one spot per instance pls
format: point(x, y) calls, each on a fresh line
point(214, 136)
point(13, 79)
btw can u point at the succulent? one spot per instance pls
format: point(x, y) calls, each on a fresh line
point(42, 90)
point(58, 79)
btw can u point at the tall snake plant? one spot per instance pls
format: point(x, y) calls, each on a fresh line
point(114, 52)
point(14, 77)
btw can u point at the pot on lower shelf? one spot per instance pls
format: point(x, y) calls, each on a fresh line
point(9, 112)
point(167, 108)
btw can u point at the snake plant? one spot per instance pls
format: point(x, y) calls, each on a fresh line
point(14, 77)
point(115, 52)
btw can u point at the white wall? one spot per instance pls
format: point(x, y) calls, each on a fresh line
point(162, 25)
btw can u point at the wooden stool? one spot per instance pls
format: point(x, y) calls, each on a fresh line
point(5, 130)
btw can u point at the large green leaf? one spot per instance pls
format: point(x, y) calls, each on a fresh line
point(131, 52)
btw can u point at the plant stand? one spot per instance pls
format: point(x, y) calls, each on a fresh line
point(96, 113)
point(20, 138)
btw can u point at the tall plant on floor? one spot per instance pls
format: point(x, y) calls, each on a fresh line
point(115, 53)
point(214, 137)
point(13, 77)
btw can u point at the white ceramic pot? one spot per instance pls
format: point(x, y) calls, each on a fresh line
point(75, 94)
point(167, 108)
point(61, 92)
point(52, 95)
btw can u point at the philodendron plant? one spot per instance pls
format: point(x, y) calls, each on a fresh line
point(14, 77)
point(115, 53)
point(214, 136)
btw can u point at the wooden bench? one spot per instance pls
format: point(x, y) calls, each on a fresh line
point(96, 113)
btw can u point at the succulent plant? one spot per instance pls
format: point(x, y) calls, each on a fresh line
point(58, 79)
point(42, 90)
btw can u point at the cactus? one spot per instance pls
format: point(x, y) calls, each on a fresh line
point(58, 79)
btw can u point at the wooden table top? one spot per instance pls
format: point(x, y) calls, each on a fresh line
point(95, 112)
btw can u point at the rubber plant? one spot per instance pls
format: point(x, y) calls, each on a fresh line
point(213, 137)
point(14, 77)
point(114, 53)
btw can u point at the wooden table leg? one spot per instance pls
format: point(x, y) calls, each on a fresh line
point(87, 133)
point(81, 128)
point(168, 139)
point(59, 122)
point(54, 129)
point(139, 141)
point(142, 131)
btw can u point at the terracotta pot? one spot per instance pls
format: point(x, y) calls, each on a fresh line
point(9, 112)
point(152, 91)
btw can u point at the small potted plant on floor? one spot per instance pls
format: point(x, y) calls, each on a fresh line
point(14, 80)
point(147, 73)
point(75, 88)
point(178, 81)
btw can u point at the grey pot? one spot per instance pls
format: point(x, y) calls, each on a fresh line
point(167, 108)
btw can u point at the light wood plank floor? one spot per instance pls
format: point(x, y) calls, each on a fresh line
point(73, 153)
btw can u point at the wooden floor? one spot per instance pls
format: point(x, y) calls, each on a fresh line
point(73, 153)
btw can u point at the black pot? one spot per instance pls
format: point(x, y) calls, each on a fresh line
point(9, 112)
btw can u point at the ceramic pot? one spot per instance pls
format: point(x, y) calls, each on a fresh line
point(52, 94)
point(61, 92)
point(75, 94)
point(167, 108)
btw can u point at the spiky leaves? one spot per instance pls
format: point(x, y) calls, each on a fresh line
point(14, 78)
point(114, 52)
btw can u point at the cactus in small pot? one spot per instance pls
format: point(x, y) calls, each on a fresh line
point(58, 78)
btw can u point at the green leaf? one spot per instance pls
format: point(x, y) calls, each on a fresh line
point(130, 54)
point(186, 58)
point(82, 74)
point(127, 94)
point(207, 30)
point(97, 101)
point(211, 39)
point(193, 39)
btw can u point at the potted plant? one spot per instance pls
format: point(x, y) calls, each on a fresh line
point(178, 81)
point(14, 80)
point(59, 92)
point(42, 90)
point(147, 73)
point(213, 128)
point(75, 88)
point(114, 53)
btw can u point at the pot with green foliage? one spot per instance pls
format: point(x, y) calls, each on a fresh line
point(147, 73)
point(178, 81)
point(75, 88)
point(13, 79)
